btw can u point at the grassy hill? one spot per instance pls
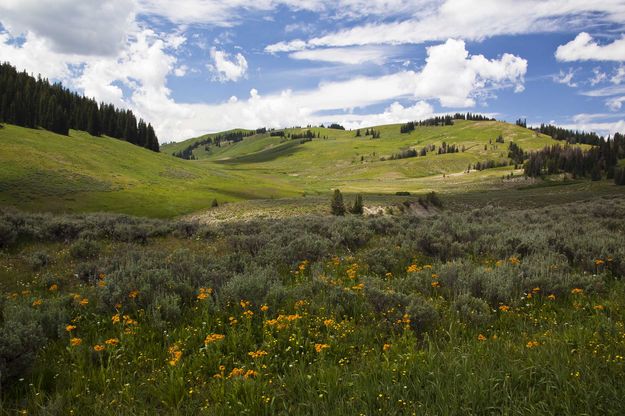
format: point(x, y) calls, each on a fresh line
point(45, 171)
point(42, 170)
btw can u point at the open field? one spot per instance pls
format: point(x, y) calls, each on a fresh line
point(500, 309)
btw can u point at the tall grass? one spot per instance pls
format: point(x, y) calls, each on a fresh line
point(480, 312)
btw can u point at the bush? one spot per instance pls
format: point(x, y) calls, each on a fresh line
point(423, 316)
point(38, 260)
point(84, 249)
point(472, 310)
point(253, 286)
point(8, 235)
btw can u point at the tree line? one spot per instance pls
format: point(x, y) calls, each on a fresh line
point(446, 120)
point(229, 137)
point(34, 102)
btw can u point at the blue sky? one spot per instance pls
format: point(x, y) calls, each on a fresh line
point(197, 66)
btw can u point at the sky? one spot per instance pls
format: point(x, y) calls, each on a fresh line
point(197, 66)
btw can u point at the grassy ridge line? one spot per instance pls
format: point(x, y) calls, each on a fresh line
point(46, 171)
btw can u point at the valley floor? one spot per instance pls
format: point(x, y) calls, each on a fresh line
point(508, 302)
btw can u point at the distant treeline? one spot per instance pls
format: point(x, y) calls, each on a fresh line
point(570, 136)
point(35, 102)
point(230, 137)
point(594, 163)
point(446, 120)
point(444, 148)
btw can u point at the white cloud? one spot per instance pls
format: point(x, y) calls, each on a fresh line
point(619, 76)
point(453, 77)
point(349, 56)
point(615, 103)
point(599, 76)
point(603, 128)
point(86, 27)
point(565, 78)
point(231, 12)
point(225, 68)
point(584, 48)
point(469, 20)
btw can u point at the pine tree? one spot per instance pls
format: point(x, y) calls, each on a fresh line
point(357, 208)
point(338, 207)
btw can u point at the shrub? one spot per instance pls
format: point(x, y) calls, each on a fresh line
point(423, 316)
point(472, 310)
point(84, 249)
point(38, 260)
point(253, 286)
point(358, 207)
point(8, 235)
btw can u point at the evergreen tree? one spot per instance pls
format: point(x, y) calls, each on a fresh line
point(338, 207)
point(358, 207)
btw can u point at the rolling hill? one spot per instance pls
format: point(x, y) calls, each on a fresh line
point(46, 171)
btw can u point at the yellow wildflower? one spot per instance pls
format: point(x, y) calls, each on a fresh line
point(551, 297)
point(83, 302)
point(321, 347)
point(435, 284)
point(599, 307)
point(386, 347)
point(257, 354)
point(174, 355)
point(248, 313)
point(70, 328)
point(37, 302)
point(504, 308)
point(53, 288)
point(99, 348)
point(115, 318)
point(532, 344)
point(213, 338)
point(112, 341)
point(133, 294)
point(74, 342)
point(264, 308)
point(481, 337)
point(577, 291)
point(245, 304)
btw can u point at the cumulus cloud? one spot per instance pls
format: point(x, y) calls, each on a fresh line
point(87, 27)
point(615, 103)
point(584, 48)
point(453, 77)
point(225, 68)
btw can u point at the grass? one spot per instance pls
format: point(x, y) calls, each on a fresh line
point(222, 319)
point(80, 173)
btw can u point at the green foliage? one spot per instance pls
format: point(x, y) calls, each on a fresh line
point(84, 249)
point(358, 207)
point(337, 206)
point(472, 310)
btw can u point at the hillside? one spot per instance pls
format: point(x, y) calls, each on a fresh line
point(46, 171)
point(43, 170)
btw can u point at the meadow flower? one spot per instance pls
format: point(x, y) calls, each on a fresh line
point(83, 302)
point(74, 342)
point(213, 338)
point(481, 337)
point(536, 290)
point(250, 373)
point(504, 308)
point(236, 372)
point(359, 286)
point(248, 313)
point(174, 355)
point(328, 322)
point(245, 304)
point(577, 291)
point(599, 307)
point(321, 347)
point(115, 318)
point(232, 320)
point(101, 283)
point(412, 268)
point(99, 348)
point(133, 294)
point(257, 354)
point(70, 328)
point(53, 288)
point(264, 308)
point(112, 341)
point(37, 302)
point(405, 319)
point(599, 262)
point(514, 260)
point(435, 284)
point(532, 344)
point(551, 297)
point(386, 347)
